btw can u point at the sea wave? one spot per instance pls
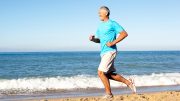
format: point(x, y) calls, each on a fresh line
point(81, 82)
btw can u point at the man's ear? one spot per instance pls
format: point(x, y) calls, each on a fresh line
point(107, 14)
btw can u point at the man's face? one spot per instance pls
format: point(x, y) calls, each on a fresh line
point(102, 14)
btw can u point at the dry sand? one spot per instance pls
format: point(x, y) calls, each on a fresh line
point(156, 96)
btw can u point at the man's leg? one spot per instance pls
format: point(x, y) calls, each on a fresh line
point(106, 62)
point(117, 77)
point(120, 78)
point(105, 81)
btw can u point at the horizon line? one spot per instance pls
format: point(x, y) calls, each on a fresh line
point(81, 51)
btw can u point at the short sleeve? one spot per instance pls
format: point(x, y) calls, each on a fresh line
point(97, 34)
point(118, 28)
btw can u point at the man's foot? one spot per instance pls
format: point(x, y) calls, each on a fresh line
point(108, 96)
point(132, 86)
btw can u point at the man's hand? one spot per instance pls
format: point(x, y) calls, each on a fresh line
point(122, 35)
point(109, 44)
point(91, 37)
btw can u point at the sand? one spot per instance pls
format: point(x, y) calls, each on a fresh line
point(156, 96)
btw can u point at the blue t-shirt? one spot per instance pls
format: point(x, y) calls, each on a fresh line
point(107, 32)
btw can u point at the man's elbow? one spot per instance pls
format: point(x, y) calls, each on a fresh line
point(125, 34)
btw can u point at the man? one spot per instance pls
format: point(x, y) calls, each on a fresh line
point(106, 36)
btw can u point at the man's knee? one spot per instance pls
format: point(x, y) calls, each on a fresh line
point(100, 73)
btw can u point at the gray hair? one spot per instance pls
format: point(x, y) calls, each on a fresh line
point(106, 8)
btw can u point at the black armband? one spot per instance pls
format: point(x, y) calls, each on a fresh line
point(96, 40)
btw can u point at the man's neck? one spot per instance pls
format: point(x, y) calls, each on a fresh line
point(106, 19)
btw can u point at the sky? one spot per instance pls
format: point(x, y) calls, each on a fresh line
point(65, 25)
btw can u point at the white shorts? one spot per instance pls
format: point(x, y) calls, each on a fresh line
point(107, 62)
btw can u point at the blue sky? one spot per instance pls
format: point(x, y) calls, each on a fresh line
point(65, 25)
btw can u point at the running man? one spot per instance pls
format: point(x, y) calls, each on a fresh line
point(106, 36)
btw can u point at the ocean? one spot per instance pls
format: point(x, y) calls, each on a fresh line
point(32, 72)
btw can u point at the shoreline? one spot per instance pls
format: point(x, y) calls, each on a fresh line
point(88, 93)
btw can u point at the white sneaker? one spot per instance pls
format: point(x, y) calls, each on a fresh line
point(132, 85)
point(108, 96)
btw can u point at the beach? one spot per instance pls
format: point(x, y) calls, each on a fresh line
point(151, 93)
point(60, 75)
point(69, 50)
point(156, 96)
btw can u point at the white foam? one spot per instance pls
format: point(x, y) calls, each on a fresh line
point(83, 81)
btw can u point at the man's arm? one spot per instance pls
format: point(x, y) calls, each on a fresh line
point(122, 35)
point(92, 38)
